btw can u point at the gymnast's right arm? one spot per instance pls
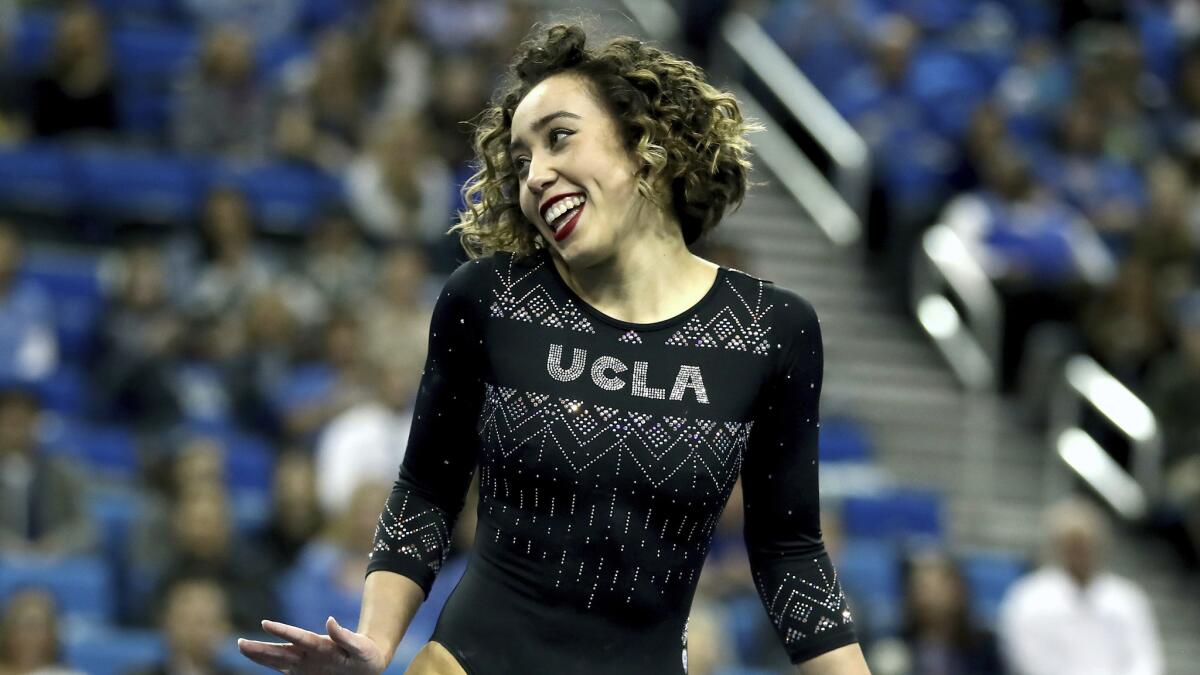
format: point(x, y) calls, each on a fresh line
point(412, 538)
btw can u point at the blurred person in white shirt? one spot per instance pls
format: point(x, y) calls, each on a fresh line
point(1073, 617)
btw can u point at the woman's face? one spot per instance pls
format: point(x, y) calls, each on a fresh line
point(564, 143)
point(32, 630)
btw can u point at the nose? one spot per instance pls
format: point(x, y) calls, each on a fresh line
point(541, 176)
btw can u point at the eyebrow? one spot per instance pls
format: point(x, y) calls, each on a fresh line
point(546, 119)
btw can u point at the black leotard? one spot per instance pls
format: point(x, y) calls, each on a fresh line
point(607, 451)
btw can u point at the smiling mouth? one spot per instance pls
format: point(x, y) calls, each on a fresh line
point(562, 212)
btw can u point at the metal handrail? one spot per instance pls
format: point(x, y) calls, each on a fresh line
point(838, 205)
point(1130, 493)
point(970, 341)
point(846, 148)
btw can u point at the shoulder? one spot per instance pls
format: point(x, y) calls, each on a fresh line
point(1122, 589)
point(471, 278)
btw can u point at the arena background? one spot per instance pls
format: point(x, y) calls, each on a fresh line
point(222, 228)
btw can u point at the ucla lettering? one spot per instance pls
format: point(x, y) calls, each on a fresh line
point(606, 371)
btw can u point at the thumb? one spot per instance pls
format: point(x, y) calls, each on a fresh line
point(345, 638)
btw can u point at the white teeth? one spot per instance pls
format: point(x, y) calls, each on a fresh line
point(562, 207)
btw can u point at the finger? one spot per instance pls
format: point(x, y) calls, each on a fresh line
point(269, 654)
point(293, 634)
point(344, 637)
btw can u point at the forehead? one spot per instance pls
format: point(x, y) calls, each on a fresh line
point(557, 92)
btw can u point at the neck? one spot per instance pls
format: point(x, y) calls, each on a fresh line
point(650, 276)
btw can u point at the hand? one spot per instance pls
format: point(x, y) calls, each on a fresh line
point(308, 653)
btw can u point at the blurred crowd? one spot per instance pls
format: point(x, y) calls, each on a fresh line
point(1061, 141)
point(211, 337)
point(204, 406)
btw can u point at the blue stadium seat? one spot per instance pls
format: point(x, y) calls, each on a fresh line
point(32, 40)
point(286, 199)
point(107, 449)
point(81, 585)
point(73, 281)
point(149, 61)
point(64, 391)
point(37, 179)
point(989, 575)
point(844, 440)
point(869, 571)
point(121, 13)
point(896, 514)
point(155, 189)
point(153, 55)
point(114, 652)
point(249, 459)
point(274, 55)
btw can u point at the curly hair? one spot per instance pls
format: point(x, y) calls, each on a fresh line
point(689, 138)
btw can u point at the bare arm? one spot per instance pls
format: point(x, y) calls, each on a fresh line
point(389, 603)
point(846, 660)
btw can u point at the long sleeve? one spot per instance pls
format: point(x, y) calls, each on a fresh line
point(413, 534)
point(795, 579)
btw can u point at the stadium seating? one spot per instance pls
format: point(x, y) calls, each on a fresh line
point(82, 585)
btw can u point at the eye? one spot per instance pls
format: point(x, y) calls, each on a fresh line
point(555, 132)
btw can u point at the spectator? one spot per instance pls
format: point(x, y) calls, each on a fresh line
point(336, 264)
point(1072, 616)
point(321, 121)
point(1180, 124)
point(266, 20)
point(28, 343)
point(329, 574)
point(1164, 239)
point(222, 107)
point(826, 38)
point(14, 123)
point(1124, 326)
point(29, 642)
point(142, 334)
point(43, 500)
point(462, 92)
point(397, 59)
point(396, 316)
point(273, 336)
point(206, 544)
point(462, 24)
point(318, 391)
point(195, 622)
point(1104, 187)
point(295, 513)
point(77, 93)
point(398, 187)
point(1173, 393)
point(235, 266)
point(939, 630)
point(1039, 252)
point(1035, 87)
point(368, 440)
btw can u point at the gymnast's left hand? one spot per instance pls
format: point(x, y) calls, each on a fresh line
point(342, 651)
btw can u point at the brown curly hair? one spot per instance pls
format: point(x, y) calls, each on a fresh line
point(687, 136)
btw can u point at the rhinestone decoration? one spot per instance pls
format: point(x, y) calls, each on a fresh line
point(554, 364)
point(689, 376)
point(739, 327)
point(618, 504)
point(416, 532)
point(604, 381)
point(640, 368)
point(802, 607)
point(521, 299)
